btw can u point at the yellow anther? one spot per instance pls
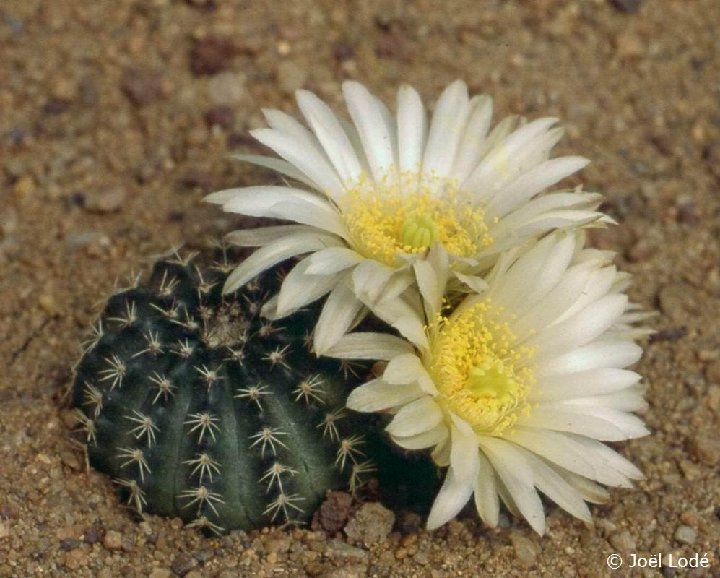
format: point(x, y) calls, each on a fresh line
point(385, 220)
point(480, 374)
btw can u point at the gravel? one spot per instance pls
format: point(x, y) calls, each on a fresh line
point(121, 95)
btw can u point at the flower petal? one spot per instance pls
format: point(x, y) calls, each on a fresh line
point(331, 135)
point(298, 288)
point(411, 129)
point(518, 478)
point(378, 395)
point(451, 498)
point(416, 417)
point(426, 439)
point(369, 345)
point(486, 493)
point(372, 128)
point(275, 252)
point(311, 162)
point(449, 118)
point(332, 260)
point(336, 318)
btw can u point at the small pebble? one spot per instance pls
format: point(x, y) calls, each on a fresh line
point(525, 549)
point(685, 535)
point(339, 549)
point(142, 87)
point(623, 541)
point(160, 573)
point(113, 540)
point(371, 524)
point(106, 200)
point(333, 513)
point(706, 448)
point(290, 76)
point(227, 88)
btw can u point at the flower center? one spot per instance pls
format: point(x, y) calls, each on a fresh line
point(387, 220)
point(481, 375)
point(418, 232)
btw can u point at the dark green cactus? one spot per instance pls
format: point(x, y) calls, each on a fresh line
point(200, 408)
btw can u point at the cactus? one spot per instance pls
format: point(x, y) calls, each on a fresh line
point(200, 408)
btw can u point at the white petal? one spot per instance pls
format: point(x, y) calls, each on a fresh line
point(298, 289)
point(551, 206)
point(474, 137)
point(446, 128)
point(599, 423)
point(275, 252)
point(336, 318)
point(411, 129)
point(308, 160)
point(530, 183)
point(595, 355)
point(283, 203)
point(331, 135)
point(369, 345)
point(506, 160)
point(568, 452)
point(416, 417)
point(583, 383)
point(583, 327)
point(400, 315)
point(278, 165)
point(283, 123)
point(528, 280)
point(463, 450)
point(372, 128)
point(264, 235)
point(486, 493)
point(451, 498)
point(550, 483)
point(517, 475)
point(332, 260)
point(409, 369)
point(369, 279)
point(590, 491)
point(431, 275)
point(426, 439)
point(378, 395)
point(474, 283)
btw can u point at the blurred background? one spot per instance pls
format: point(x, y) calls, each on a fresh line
point(117, 117)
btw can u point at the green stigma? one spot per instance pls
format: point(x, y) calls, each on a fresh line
point(490, 380)
point(418, 232)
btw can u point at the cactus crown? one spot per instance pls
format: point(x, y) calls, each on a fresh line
point(201, 408)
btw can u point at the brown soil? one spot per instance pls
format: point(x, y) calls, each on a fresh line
point(115, 120)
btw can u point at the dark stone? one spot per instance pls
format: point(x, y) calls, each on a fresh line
point(669, 334)
point(343, 51)
point(627, 6)
point(211, 55)
point(222, 116)
point(55, 106)
point(141, 87)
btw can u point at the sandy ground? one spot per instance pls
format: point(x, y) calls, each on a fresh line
point(115, 120)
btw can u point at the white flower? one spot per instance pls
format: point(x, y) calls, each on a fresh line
point(516, 389)
point(375, 195)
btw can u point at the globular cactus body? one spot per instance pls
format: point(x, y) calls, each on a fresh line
point(200, 408)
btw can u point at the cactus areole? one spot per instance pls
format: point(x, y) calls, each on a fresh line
point(198, 407)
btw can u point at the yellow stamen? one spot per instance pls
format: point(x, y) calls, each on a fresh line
point(480, 374)
point(401, 216)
